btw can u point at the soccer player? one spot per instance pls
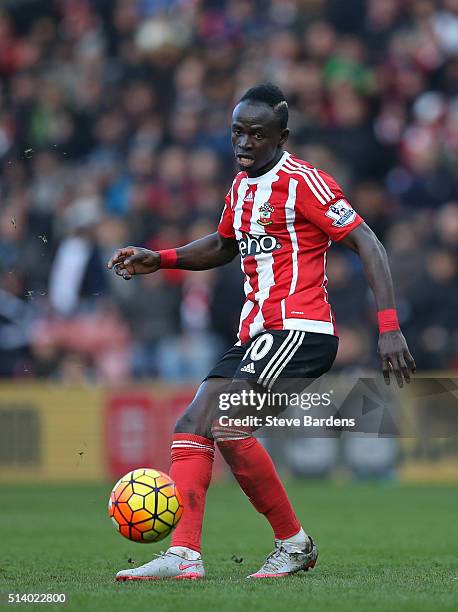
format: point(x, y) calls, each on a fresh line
point(281, 215)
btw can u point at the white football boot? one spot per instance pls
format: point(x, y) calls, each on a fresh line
point(178, 563)
point(290, 556)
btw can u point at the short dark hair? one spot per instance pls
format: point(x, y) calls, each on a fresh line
point(271, 95)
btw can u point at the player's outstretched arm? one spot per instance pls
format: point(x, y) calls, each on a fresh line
point(392, 346)
point(209, 252)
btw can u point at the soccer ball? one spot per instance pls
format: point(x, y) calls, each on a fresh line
point(145, 505)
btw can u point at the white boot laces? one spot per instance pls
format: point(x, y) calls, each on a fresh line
point(159, 555)
point(275, 560)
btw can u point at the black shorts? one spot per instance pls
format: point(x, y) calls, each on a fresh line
point(275, 360)
point(278, 354)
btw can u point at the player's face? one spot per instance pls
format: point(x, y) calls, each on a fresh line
point(257, 138)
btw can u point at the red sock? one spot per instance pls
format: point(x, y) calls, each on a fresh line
point(191, 469)
point(256, 474)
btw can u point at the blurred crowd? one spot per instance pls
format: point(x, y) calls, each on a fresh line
point(115, 130)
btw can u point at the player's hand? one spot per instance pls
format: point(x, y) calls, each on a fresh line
point(396, 357)
point(130, 260)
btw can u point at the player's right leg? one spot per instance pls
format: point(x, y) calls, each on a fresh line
point(192, 461)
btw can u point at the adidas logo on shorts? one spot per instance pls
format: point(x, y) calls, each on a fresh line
point(248, 368)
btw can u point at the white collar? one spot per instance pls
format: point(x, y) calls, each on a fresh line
point(270, 173)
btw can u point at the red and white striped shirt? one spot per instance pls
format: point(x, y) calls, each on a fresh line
point(284, 222)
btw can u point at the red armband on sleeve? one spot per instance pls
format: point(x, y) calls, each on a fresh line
point(388, 320)
point(168, 258)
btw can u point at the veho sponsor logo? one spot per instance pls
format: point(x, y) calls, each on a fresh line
point(255, 245)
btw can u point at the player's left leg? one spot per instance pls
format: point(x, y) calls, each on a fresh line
point(255, 472)
point(290, 355)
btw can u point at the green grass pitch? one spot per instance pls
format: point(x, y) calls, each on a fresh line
point(382, 547)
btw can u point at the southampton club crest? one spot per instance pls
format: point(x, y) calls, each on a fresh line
point(265, 211)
